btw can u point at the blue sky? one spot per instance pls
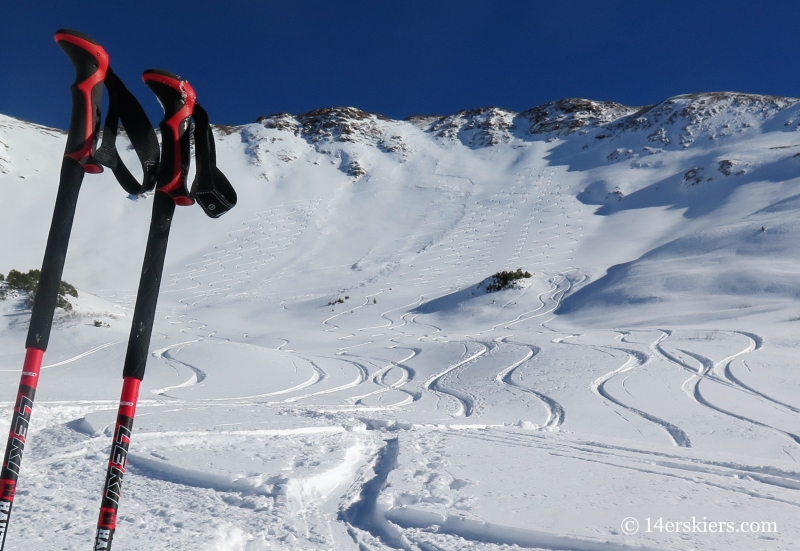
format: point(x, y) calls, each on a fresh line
point(248, 58)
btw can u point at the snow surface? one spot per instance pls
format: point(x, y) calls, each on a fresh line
point(647, 369)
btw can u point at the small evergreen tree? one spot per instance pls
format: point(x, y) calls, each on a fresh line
point(504, 279)
point(29, 283)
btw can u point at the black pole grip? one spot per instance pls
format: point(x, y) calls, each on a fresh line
point(178, 99)
point(147, 298)
point(55, 254)
point(91, 64)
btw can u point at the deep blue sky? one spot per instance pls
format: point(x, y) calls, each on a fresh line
point(255, 57)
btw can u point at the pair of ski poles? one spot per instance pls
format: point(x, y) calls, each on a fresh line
point(165, 170)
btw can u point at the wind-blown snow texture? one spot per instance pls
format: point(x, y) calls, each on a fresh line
point(328, 371)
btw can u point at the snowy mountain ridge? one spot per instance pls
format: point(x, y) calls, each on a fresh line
point(709, 115)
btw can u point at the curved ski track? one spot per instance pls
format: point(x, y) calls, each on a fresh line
point(555, 411)
point(709, 372)
point(466, 401)
point(637, 359)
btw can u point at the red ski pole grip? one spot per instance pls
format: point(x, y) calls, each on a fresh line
point(178, 99)
point(91, 64)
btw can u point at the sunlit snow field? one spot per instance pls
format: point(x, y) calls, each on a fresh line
point(647, 369)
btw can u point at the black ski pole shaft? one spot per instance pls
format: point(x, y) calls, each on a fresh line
point(91, 63)
point(178, 100)
point(135, 363)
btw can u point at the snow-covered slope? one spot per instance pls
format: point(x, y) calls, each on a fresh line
point(328, 371)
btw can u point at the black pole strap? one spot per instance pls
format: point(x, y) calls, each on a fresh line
point(123, 106)
point(211, 189)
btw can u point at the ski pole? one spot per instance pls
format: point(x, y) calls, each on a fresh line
point(135, 361)
point(214, 194)
point(91, 62)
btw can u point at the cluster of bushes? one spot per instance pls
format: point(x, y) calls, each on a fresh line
point(337, 301)
point(503, 280)
point(29, 283)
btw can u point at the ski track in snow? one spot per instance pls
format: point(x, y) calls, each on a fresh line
point(265, 237)
point(709, 372)
point(465, 401)
point(756, 344)
point(658, 463)
point(379, 379)
point(555, 411)
point(636, 360)
point(198, 375)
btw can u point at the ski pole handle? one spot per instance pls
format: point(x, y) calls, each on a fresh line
point(178, 99)
point(91, 64)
